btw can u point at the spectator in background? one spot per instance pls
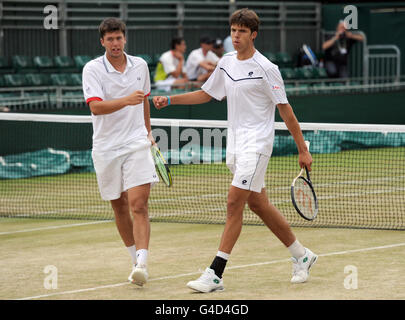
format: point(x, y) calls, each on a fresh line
point(228, 46)
point(337, 50)
point(218, 48)
point(201, 62)
point(171, 70)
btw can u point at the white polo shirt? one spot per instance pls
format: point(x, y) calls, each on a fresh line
point(253, 88)
point(101, 81)
point(170, 62)
point(195, 58)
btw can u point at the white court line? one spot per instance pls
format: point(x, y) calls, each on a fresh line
point(55, 227)
point(196, 273)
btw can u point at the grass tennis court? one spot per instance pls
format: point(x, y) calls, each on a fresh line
point(92, 263)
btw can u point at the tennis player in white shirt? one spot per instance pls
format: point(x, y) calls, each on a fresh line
point(254, 88)
point(116, 86)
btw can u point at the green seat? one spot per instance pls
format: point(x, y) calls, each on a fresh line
point(304, 73)
point(283, 59)
point(43, 62)
point(76, 79)
point(288, 73)
point(80, 61)
point(304, 88)
point(319, 73)
point(271, 56)
point(149, 60)
point(60, 79)
point(36, 79)
point(20, 62)
point(14, 80)
point(63, 62)
point(5, 65)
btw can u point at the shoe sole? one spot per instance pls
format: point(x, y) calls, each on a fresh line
point(205, 291)
point(139, 278)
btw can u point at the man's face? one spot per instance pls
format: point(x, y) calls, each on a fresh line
point(206, 46)
point(114, 43)
point(181, 47)
point(242, 37)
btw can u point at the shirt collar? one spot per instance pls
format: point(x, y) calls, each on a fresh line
point(109, 67)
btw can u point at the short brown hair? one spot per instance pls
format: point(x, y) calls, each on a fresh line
point(111, 25)
point(246, 18)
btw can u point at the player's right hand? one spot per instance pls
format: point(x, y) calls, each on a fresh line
point(160, 102)
point(136, 97)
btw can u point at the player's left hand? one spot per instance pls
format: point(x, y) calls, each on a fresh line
point(151, 139)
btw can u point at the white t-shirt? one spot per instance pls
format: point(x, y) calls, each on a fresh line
point(194, 59)
point(170, 62)
point(101, 81)
point(253, 88)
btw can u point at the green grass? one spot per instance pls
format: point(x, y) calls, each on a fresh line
point(357, 188)
point(92, 263)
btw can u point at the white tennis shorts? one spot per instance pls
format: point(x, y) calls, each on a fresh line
point(125, 168)
point(249, 170)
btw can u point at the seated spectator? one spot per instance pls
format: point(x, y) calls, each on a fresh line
point(337, 50)
point(228, 46)
point(171, 70)
point(218, 48)
point(201, 62)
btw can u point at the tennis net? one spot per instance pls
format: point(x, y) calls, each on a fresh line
point(358, 172)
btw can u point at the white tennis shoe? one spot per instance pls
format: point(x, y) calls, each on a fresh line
point(139, 275)
point(208, 282)
point(302, 265)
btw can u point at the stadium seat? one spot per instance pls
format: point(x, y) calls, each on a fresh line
point(76, 79)
point(319, 73)
point(283, 59)
point(149, 60)
point(304, 73)
point(288, 73)
point(44, 64)
point(36, 79)
point(271, 56)
point(15, 80)
point(60, 79)
point(81, 60)
point(5, 65)
point(23, 64)
point(65, 64)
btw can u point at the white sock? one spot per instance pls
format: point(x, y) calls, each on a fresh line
point(132, 252)
point(223, 255)
point(142, 257)
point(296, 250)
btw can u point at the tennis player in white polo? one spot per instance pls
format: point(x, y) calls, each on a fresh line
point(116, 86)
point(254, 88)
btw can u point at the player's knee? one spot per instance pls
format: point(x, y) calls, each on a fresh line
point(138, 207)
point(255, 206)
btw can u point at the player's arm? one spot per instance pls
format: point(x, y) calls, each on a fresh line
point(195, 97)
point(109, 106)
point(288, 116)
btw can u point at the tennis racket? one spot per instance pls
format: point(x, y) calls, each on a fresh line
point(161, 166)
point(303, 195)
